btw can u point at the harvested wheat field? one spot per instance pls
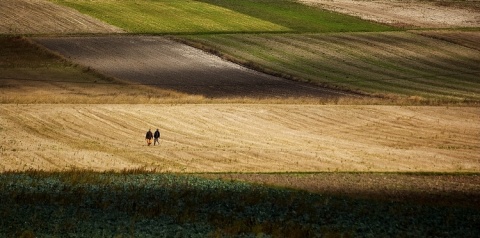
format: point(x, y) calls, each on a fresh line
point(240, 138)
point(44, 17)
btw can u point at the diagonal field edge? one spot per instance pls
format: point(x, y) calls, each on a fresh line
point(155, 60)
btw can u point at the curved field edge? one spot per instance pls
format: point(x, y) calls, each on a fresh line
point(159, 62)
point(30, 73)
point(139, 203)
point(240, 138)
point(200, 17)
point(389, 64)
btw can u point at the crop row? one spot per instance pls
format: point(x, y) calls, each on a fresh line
point(389, 63)
point(218, 16)
point(82, 204)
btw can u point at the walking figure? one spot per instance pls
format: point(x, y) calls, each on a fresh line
point(148, 137)
point(156, 136)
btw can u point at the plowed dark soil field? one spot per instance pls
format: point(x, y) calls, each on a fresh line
point(161, 62)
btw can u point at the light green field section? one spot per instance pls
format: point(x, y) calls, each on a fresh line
point(223, 16)
point(389, 63)
point(170, 16)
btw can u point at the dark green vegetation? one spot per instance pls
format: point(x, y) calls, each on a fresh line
point(87, 204)
point(219, 16)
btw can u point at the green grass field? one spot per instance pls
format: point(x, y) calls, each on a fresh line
point(200, 17)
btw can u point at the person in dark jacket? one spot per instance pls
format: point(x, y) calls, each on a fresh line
point(148, 137)
point(156, 136)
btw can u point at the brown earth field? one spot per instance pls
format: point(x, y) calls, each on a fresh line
point(158, 61)
point(416, 14)
point(43, 17)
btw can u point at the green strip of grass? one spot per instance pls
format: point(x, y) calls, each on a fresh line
point(171, 16)
point(299, 17)
point(218, 16)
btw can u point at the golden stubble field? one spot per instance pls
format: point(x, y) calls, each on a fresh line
point(240, 138)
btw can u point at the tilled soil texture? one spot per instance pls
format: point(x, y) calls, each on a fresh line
point(157, 61)
point(386, 63)
point(240, 138)
point(43, 17)
point(416, 13)
point(468, 39)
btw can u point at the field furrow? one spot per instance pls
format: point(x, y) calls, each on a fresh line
point(386, 63)
point(44, 17)
point(255, 138)
point(157, 61)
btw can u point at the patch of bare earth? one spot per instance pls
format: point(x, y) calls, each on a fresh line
point(43, 17)
point(423, 14)
point(157, 61)
point(240, 138)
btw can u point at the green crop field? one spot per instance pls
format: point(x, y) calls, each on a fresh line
point(188, 16)
point(389, 63)
point(133, 204)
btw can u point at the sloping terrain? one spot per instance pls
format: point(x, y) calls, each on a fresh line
point(157, 61)
point(44, 17)
point(236, 137)
point(443, 65)
point(239, 137)
point(417, 14)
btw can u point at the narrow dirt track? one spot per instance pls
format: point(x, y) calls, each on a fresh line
point(170, 65)
point(43, 17)
point(240, 138)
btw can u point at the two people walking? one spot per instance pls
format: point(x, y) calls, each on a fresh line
point(149, 136)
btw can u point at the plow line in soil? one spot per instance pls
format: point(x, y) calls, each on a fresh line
point(160, 62)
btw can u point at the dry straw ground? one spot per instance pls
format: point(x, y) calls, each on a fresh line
point(241, 138)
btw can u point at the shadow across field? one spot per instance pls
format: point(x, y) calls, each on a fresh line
point(136, 204)
point(157, 61)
